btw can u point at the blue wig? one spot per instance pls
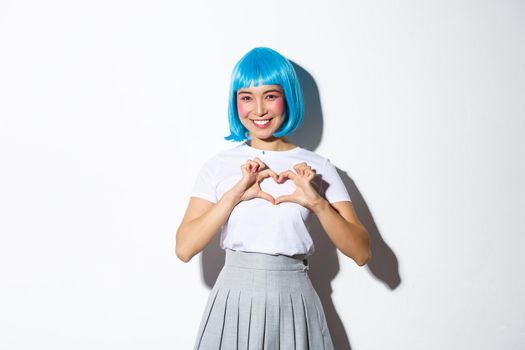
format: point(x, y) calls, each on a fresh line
point(265, 66)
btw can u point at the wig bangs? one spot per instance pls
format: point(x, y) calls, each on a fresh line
point(256, 70)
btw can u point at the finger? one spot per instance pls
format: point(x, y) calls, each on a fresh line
point(285, 198)
point(274, 175)
point(287, 174)
point(252, 166)
point(300, 165)
point(260, 162)
point(267, 173)
point(266, 196)
point(310, 176)
point(264, 174)
point(245, 169)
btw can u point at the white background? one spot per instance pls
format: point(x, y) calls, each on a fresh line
point(109, 108)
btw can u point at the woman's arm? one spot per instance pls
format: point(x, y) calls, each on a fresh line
point(344, 229)
point(338, 219)
point(201, 222)
point(203, 218)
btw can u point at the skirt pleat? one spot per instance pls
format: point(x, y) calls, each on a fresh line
point(257, 323)
point(263, 302)
point(245, 315)
point(286, 327)
point(271, 326)
point(231, 320)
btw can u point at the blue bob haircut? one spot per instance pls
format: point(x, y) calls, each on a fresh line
point(265, 66)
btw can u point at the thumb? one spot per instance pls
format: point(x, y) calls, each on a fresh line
point(266, 196)
point(285, 198)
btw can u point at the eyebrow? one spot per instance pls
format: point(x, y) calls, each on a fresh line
point(265, 92)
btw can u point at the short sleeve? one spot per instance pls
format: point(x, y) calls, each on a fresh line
point(332, 185)
point(204, 186)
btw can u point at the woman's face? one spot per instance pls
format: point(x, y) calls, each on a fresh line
point(261, 109)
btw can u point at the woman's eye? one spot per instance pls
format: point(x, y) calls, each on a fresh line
point(245, 98)
point(271, 97)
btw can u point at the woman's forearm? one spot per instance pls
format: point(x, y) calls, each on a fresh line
point(351, 239)
point(193, 236)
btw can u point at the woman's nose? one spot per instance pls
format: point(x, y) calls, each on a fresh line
point(260, 109)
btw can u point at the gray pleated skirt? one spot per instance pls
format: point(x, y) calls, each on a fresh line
point(263, 301)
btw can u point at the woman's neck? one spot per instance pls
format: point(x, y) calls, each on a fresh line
point(276, 144)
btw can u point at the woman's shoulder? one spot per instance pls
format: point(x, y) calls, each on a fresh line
point(312, 156)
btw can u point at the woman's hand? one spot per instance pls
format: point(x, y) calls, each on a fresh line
point(253, 172)
point(305, 193)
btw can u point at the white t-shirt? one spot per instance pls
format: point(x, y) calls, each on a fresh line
point(257, 225)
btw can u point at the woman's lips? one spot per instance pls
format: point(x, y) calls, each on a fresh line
point(262, 126)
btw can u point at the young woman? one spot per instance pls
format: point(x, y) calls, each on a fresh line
point(261, 195)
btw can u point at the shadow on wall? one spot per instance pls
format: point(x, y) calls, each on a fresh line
point(324, 263)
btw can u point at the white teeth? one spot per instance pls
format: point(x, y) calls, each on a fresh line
point(261, 122)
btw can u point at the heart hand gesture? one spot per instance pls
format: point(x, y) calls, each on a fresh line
point(305, 193)
point(253, 172)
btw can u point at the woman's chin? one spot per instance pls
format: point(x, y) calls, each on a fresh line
point(263, 136)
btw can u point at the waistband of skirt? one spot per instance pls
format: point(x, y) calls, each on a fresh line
point(263, 261)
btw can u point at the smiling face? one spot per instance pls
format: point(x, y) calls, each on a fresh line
point(261, 110)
